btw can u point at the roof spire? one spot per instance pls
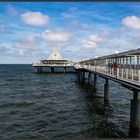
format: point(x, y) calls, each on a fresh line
point(55, 55)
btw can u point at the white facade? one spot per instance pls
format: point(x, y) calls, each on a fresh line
point(55, 55)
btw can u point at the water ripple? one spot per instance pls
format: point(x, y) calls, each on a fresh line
point(55, 105)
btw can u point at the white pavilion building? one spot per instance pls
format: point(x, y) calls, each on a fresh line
point(55, 58)
point(54, 61)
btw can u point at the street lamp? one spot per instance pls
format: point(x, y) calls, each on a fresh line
point(116, 56)
point(116, 62)
point(95, 62)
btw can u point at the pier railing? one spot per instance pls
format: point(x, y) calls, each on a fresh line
point(124, 73)
point(49, 65)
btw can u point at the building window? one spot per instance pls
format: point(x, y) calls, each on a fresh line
point(138, 60)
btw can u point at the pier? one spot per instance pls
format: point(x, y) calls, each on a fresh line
point(123, 68)
point(54, 61)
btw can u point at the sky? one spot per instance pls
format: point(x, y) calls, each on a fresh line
point(81, 30)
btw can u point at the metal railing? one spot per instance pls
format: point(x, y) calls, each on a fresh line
point(130, 74)
point(41, 64)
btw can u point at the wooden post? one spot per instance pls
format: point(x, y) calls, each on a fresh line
point(83, 76)
point(95, 80)
point(64, 69)
point(106, 92)
point(138, 75)
point(35, 69)
point(117, 73)
point(122, 72)
point(89, 77)
point(49, 69)
point(134, 116)
point(52, 69)
point(78, 75)
point(132, 74)
point(126, 73)
point(39, 69)
point(43, 70)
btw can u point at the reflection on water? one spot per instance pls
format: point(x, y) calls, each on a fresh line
point(56, 105)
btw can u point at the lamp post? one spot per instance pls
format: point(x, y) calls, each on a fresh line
point(95, 62)
point(116, 62)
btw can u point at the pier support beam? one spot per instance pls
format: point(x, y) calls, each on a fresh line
point(39, 70)
point(95, 83)
point(83, 76)
point(64, 69)
point(106, 92)
point(89, 77)
point(35, 69)
point(78, 75)
point(52, 69)
point(134, 116)
point(49, 69)
point(43, 69)
point(95, 80)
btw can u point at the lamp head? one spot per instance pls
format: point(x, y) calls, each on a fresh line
point(116, 52)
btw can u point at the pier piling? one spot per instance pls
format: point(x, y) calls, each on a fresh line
point(89, 77)
point(39, 70)
point(134, 116)
point(95, 83)
point(64, 69)
point(106, 92)
point(83, 76)
point(95, 80)
point(78, 75)
point(52, 69)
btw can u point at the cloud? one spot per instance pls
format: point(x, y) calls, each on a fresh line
point(6, 32)
point(7, 49)
point(93, 40)
point(121, 40)
point(89, 44)
point(28, 42)
point(56, 35)
point(98, 38)
point(11, 10)
point(20, 53)
point(132, 22)
point(24, 46)
point(35, 18)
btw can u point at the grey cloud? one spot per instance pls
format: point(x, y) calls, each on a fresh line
point(5, 32)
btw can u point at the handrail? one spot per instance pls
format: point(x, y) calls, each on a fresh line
point(41, 64)
point(130, 74)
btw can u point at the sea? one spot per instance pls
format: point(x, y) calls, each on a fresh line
point(56, 105)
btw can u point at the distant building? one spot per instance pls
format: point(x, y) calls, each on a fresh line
point(55, 58)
